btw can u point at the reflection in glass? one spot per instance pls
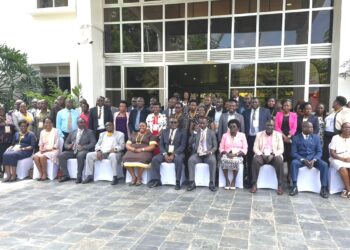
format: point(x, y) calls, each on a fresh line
point(152, 12)
point(146, 77)
point(242, 74)
point(270, 30)
point(153, 38)
point(146, 94)
point(220, 36)
point(321, 26)
point(320, 70)
point(112, 77)
point(45, 3)
point(112, 38)
point(322, 3)
point(130, 1)
point(197, 9)
point(61, 3)
point(197, 34)
point(111, 15)
point(296, 28)
point(294, 94)
point(319, 95)
point(111, 1)
point(174, 11)
point(221, 7)
point(270, 5)
point(297, 4)
point(267, 74)
point(131, 14)
point(114, 96)
point(245, 32)
point(245, 6)
point(132, 37)
point(175, 35)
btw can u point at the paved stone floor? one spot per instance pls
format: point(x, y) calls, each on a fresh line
point(48, 215)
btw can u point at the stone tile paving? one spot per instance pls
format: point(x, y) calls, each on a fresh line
point(48, 215)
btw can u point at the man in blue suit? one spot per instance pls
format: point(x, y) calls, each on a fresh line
point(307, 151)
point(255, 120)
point(172, 149)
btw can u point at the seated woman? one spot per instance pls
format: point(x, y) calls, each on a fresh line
point(340, 156)
point(48, 148)
point(139, 153)
point(22, 147)
point(233, 146)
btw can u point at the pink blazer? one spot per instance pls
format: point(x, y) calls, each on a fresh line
point(293, 122)
point(238, 144)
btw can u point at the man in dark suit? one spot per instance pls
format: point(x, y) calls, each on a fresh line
point(205, 146)
point(99, 116)
point(226, 117)
point(77, 145)
point(255, 121)
point(172, 149)
point(307, 151)
point(171, 108)
point(60, 104)
point(138, 115)
point(234, 96)
point(216, 112)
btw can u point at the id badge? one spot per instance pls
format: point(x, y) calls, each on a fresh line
point(40, 125)
point(155, 127)
point(7, 129)
point(171, 149)
point(267, 151)
point(255, 123)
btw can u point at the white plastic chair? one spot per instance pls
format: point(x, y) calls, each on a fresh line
point(239, 177)
point(72, 166)
point(335, 183)
point(202, 175)
point(146, 176)
point(103, 171)
point(23, 167)
point(309, 180)
point(168, 174)
point(267, 177)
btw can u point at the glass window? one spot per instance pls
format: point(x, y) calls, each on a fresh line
point(242, 75)
point(319, 95)
point(271, 5)
point(45, 3)
point(280, 94)
point(114, 96)
point(296, 28)
point(320, 71)
point(146, 94)
point(112, 77)
point(175, 35)
point(221, 7)
point(130, 1)
point(245, 6)
point(322, 3)
point(197, 9)
point(245, 32)
point(153, 37)
point(297, 4)
point(132, 37)
point(131, 14)
point(322, 26)
point(267, 74)
point(61, 3)
point(147, 77)
point(270, 30)
point(220, 36)
point(112, 38)
point(111, 1)
point(152, 12)
point(174, 11)
point(197, 34)
point(111, 15)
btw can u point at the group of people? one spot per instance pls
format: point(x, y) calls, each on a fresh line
point(232, 135)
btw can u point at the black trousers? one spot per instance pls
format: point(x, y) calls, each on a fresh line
point(250, 156)
point(66, 155)
point(327, 138)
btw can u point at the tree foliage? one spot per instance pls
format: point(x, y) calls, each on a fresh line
point(346, 72)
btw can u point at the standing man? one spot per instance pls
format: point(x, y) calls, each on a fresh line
point(108, 103)
point(268, 149)
point(40, 117)
point(133, 104)
point(234, 96)
point(205, 146)
point(208, 105)
point(110, 146)
point(66, 120)
point(78, 144)
point(172, 149)
point(307, 151)
point(59, 104)
point(216, 113)
point(138, 115)
point(255, 120)
point(171, 107)
point(99, 116)
point(34, 107)
point(226, 117)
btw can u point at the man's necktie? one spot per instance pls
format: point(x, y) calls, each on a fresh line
point(171, 136)
point(77, 140)
point(252, 128)
point(201, 143)
point(69, 125)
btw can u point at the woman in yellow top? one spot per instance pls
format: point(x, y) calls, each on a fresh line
point(22, 114)
point(48, 148)
point(139, 152)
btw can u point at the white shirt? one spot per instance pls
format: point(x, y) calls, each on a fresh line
point(217, 119)
point(101, 121)
point(107, 144)
point(256, 123)
point(172, 136)
point(231, 117)
point(329, 120)
point(202, 147)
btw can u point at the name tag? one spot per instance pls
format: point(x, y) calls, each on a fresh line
point(267, 151)
point(171, 149)
point(7, 129)
point(155, 127)
point(255, 123)
point(40, 125)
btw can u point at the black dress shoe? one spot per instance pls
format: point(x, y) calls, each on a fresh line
point(212, 187)
point(87, 180)
point(177, 186)
point(115, 180)
point(150, 183)
point(65, 178)
point(191, 186)
point(156, 183)
point(324, 193)
point(78, 180)
point(293, 191)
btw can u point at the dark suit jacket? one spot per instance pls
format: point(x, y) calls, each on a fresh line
point(308, 149)
point(313, 119)
point(132, 119)
point(223, 124)
point(93, 117)
point(212, 144)
point(264, 116)
point(179, 142)
point(212, 113)
point(87, 139)
point(240, 104)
